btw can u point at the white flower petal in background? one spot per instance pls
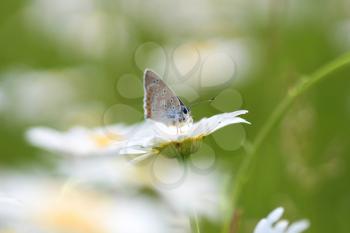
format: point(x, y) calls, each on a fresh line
point(275, 215)
point(108, 173)
point(140, 216)
point(273, 224)
point(80, 141)
point(196, 194)
point(10, 208)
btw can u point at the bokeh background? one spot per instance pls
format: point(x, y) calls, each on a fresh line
point(80, 62)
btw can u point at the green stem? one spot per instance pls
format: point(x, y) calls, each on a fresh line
point(195, 223)
point(303, 85)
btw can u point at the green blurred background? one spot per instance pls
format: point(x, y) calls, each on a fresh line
point(61, 63)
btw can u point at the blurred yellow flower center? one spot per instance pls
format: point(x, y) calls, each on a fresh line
point(106, 139)
point(68, 220)
point(74, 211)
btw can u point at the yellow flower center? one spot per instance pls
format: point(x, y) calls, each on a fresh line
point(181, 148)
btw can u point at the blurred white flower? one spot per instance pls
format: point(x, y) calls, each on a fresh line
point(89, 28)
point(196, 194)
point(106, 195)
point(78, 24)
point(35, 96)
point(273, 224)
point(48, 205)
point(111, 174)
point(212, 62)
point(9, 207)
point(340, 35)
point(190, 15)
point(199, 17)
point(24, 94)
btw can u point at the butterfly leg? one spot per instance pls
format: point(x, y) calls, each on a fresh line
point(178, 128)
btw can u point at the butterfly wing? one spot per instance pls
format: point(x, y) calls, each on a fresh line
point(161, 103)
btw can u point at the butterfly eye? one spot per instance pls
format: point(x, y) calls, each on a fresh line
point(184, 111)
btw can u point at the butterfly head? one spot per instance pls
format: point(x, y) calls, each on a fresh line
point(184, 115)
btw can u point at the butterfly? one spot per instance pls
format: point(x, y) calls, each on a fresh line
point(162, 104)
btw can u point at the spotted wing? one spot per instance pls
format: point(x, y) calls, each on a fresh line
point(160, 102)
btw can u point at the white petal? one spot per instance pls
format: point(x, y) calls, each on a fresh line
point(44, 137)
point(298, 226)
point(4, 199)
point(262, 227)
point(153, 134)
point(11, 208)
point(281, 226)
point(267, 225)
point(275, 215)
point(209, 125)
point(81, 141)
point(141, 157)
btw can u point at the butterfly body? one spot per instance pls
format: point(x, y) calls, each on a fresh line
point(161, 103)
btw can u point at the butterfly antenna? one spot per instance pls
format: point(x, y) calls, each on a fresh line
point(203, 101)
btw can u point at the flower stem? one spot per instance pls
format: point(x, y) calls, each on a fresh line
point(195, 223)
point(303, 85)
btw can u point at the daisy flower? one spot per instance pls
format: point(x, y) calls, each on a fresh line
point(154, 137)
point(139, 140)
point(273, 224)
